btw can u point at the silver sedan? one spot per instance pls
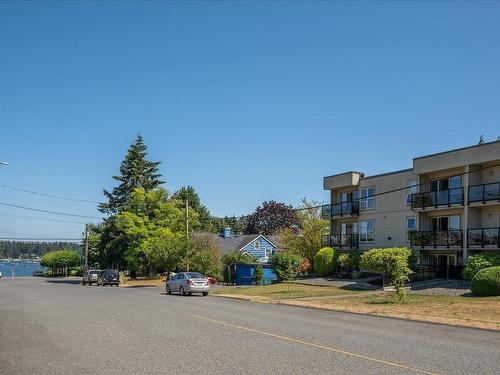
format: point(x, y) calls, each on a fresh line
point(188, 283)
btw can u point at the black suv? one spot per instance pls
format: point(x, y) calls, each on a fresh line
point(108, 277)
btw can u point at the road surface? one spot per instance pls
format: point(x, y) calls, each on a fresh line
point(61, 327)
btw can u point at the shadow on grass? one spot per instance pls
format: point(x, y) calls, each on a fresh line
point(380, 302)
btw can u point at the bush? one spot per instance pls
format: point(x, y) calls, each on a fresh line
point(486, 282)
point(258, 274)
point(392, 262)
point(344, 261)
point(354, 260)
point(324, 261)
point(478, 262)
point(286, 265)
point(305, 267)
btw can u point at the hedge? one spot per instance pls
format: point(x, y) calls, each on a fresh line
point(478, 262)
point(324, 261)
point(486, 282)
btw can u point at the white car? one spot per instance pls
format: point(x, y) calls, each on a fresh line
point(188, 283)
point(91, 276)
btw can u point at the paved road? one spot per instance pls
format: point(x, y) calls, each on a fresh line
point(56, 327)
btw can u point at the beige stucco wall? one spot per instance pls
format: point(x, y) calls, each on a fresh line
point(491, 174)
point(490, 216)
point(457, 158)
point(341, 180)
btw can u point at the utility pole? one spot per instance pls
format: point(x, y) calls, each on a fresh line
point(86, 247)
point(187, 219)
point(187, 226)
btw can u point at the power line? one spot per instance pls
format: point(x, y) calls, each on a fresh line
point(49, 195)
point(42, 219)
point(49, 212)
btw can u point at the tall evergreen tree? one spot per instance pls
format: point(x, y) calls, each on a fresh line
point(135, 172)
point(188, 193)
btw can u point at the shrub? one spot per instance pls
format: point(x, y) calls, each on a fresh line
point(286, 265)
point(324, 261)
point(354, 260)
point(486, 282)
point(305, 267)
point(343, 260)
point(478, 262)
point(258, 274)
point(392, 262)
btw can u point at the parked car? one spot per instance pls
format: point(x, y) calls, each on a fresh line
point(108, 277)
point(37, 273)
point(188, 283)
point(91, 276)
point(211, 280)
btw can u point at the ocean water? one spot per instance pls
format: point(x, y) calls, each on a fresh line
point(16, 268)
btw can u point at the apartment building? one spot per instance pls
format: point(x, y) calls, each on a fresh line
point(446, 207)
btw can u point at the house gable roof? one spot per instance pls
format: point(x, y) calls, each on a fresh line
point(237, 241)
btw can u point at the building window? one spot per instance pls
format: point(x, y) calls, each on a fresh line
point(367, 198)
point(412, 189)
point(366, 231)
point(256, 245)
point(269, 252)
point(411, 225)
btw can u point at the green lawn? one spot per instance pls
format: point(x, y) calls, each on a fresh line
point(479, 312)
point(283, 291)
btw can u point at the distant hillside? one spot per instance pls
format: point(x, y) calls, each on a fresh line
point(24, 249)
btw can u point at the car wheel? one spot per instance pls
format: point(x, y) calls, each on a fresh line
point(205, 294)
point(181, 291)
point(168, 290)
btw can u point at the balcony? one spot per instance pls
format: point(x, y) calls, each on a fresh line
point(484, 193)
point(329, 211)
point(341, 241)
point(483, 238)
point(445, 238)
point(436, 199)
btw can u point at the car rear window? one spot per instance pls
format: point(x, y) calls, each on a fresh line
point(194, 275)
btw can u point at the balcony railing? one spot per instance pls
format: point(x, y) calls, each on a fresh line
point(341, 241)
point(483, 237)
point(445, 238)
point(437, 198)
point(340, 209)
point(484, 193)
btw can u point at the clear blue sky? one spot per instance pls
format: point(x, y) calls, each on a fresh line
point(246, 101)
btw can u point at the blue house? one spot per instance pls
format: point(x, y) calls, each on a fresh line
point(259, 246)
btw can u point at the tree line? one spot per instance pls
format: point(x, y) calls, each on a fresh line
point(28, 249)
point(145, 227)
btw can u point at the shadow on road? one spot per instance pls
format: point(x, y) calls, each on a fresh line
point(63, 281)
point(178, 295)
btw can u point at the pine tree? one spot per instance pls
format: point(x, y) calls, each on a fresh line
point(188, 193)
point(135, 172)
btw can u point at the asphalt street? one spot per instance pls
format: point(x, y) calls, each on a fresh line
point(61, 327)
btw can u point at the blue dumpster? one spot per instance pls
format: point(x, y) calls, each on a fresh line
point(244, 274)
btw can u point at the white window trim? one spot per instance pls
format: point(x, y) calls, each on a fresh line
point(360, 227)
point(360, 197)
point(409, 193)
point(407, 229)
point(270, 253)
point(258, 245)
